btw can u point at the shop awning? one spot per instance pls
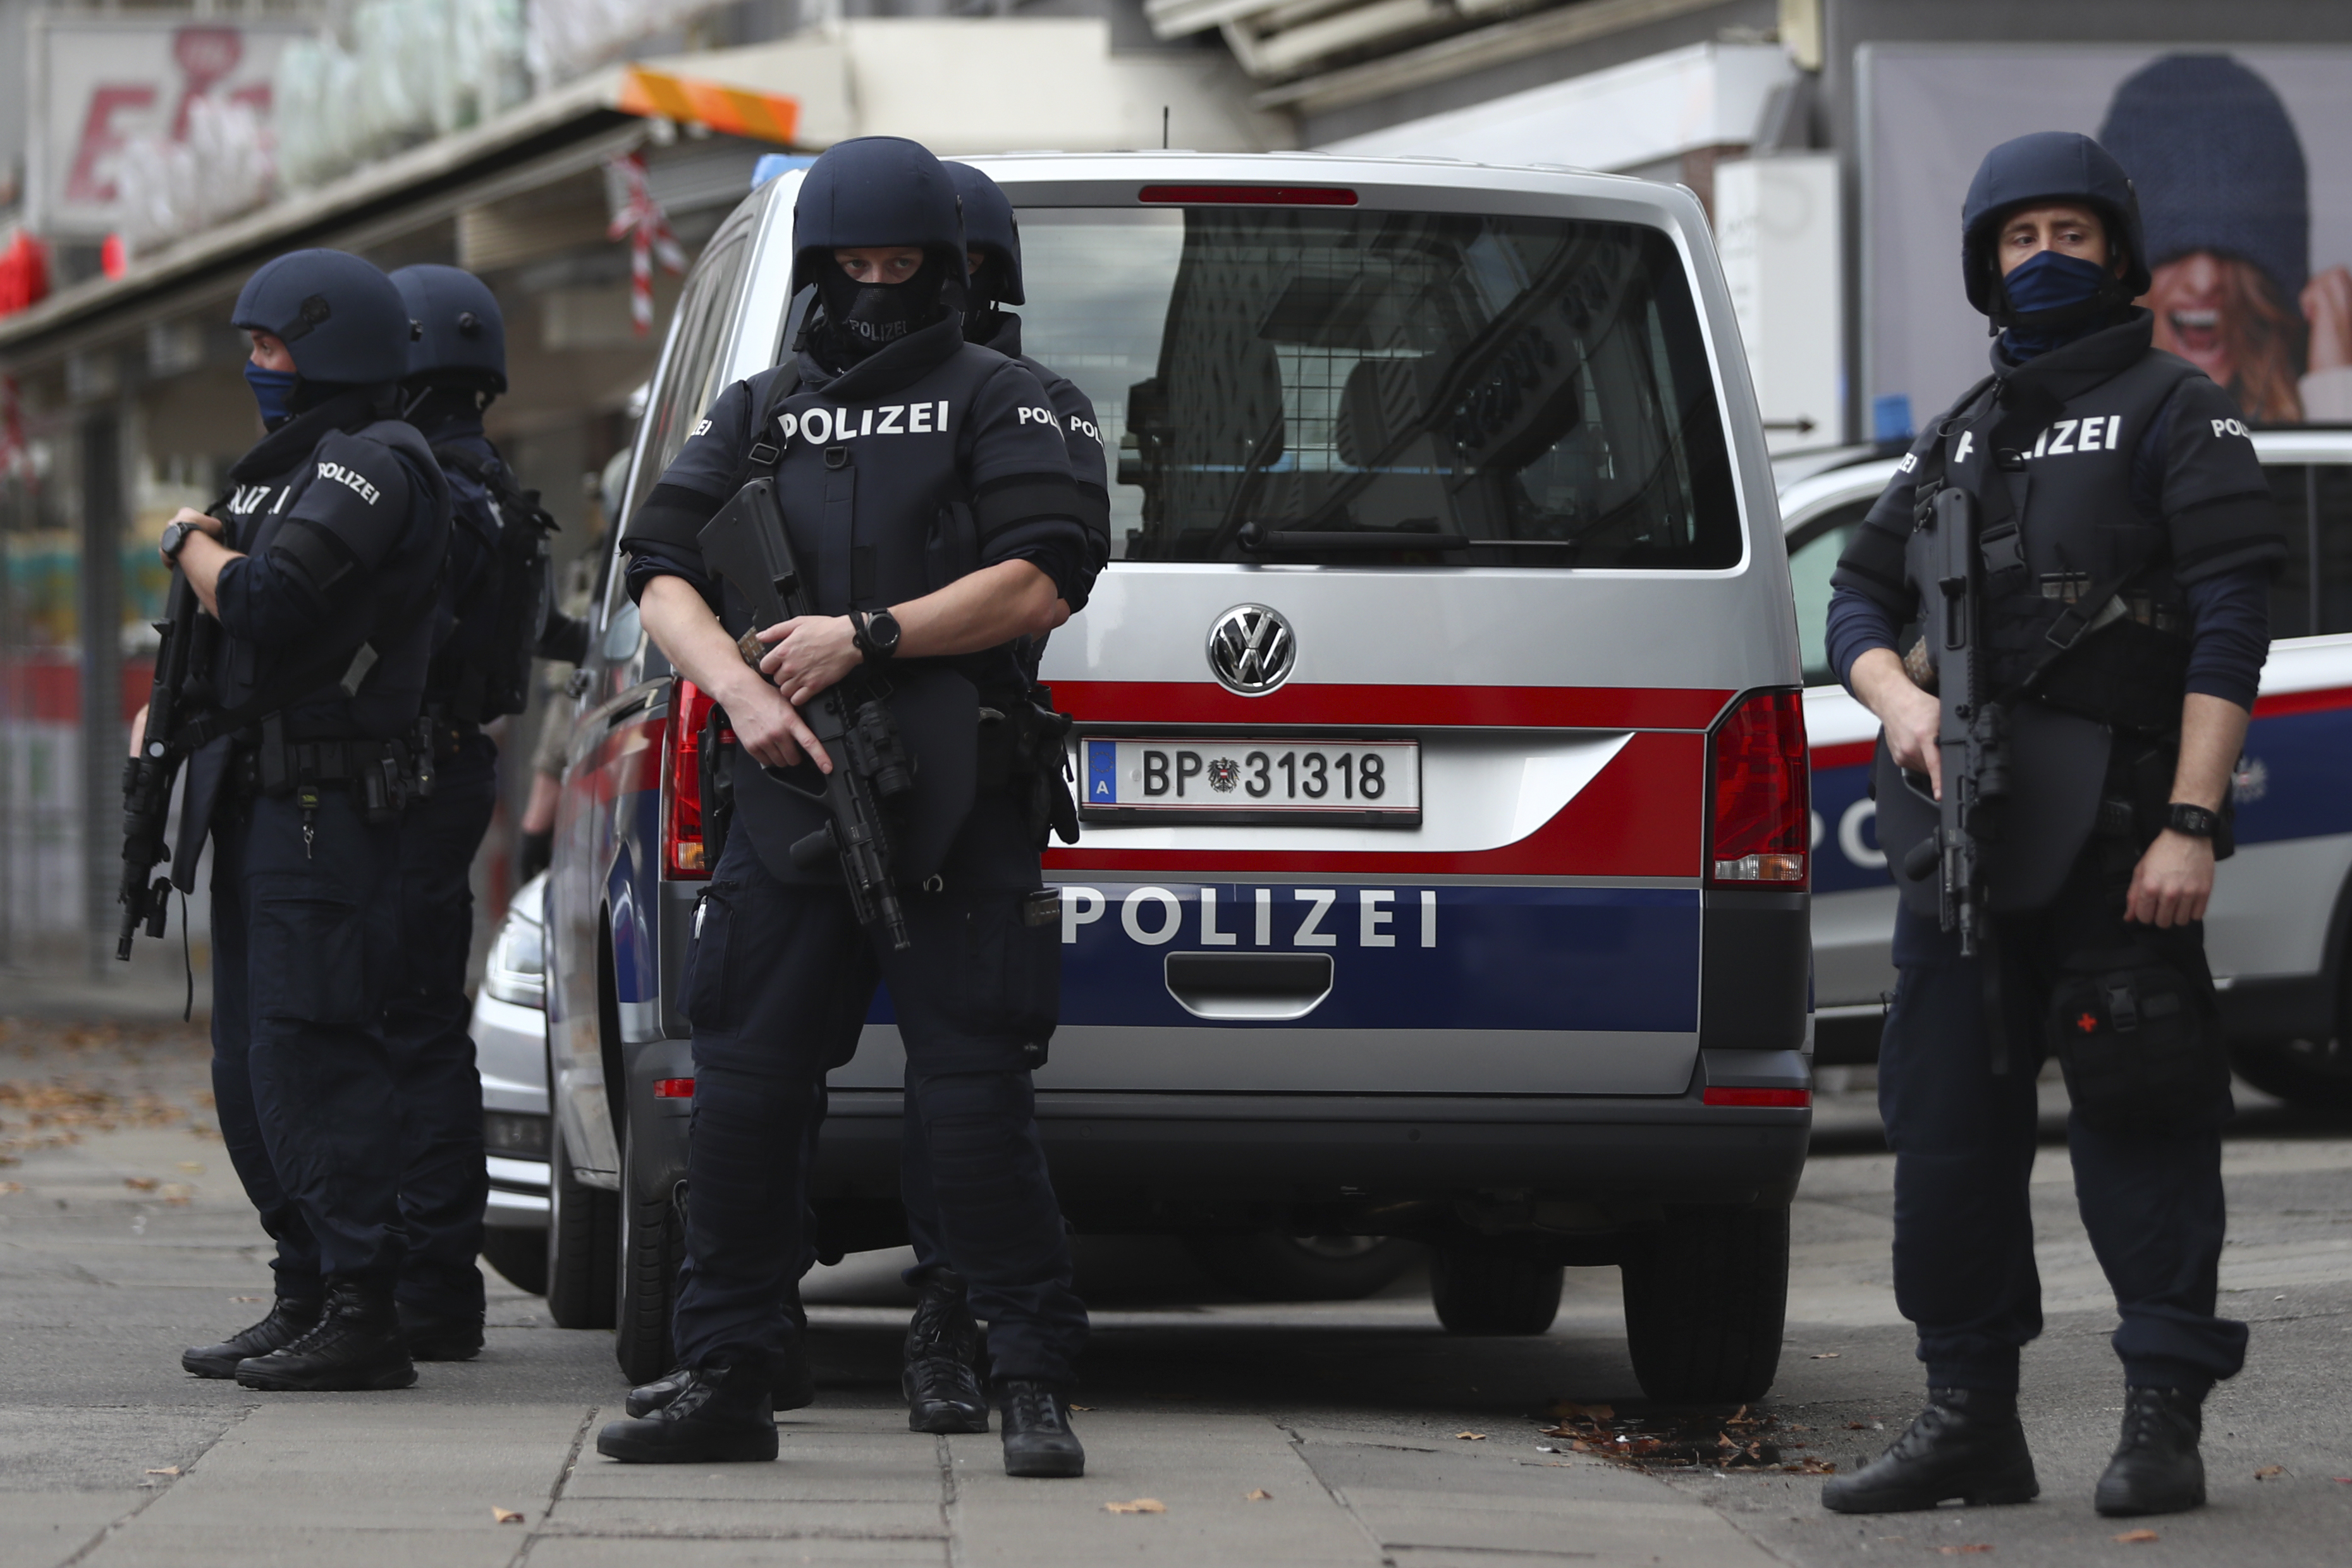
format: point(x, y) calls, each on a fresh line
point(559, 133)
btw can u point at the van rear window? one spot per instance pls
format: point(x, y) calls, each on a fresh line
point(1369, 387)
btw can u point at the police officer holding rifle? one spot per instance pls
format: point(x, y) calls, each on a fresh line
point(300, 724)
point(2084, 540)
point(876, 523)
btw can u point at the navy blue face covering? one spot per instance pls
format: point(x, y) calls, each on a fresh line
point(271, 388)
point(2051, 280)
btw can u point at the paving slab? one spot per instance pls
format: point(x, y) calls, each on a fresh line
point(259, 1543)
point(558, 1552)
point(37, 1529)
point(865, 1519)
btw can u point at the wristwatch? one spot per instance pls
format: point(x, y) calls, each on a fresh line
point(876, 633)
point(175, 535)
point(2194, 820)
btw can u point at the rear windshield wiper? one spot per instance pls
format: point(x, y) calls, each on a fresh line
point(1258, 540)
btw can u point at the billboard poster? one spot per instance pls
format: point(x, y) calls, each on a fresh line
point(99, 87)
point(2248, 211)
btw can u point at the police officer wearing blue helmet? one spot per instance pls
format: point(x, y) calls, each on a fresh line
point(322, 580)
point(496, 610)
point(926, 490)
point(2124, 541)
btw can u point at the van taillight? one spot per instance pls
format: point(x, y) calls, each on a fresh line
point(1760, 807)
point(683, 854)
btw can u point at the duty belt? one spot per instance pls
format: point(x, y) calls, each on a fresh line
point(386, 774)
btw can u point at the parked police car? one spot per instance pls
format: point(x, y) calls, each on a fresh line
point(2277, 927)
point(509, 1034)
point(1445, 868)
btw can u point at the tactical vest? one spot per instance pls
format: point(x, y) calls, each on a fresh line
point(878, 512)
point(484, 670)
point(2082, 610)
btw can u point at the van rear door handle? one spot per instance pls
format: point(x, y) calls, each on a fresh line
point(1258, 986)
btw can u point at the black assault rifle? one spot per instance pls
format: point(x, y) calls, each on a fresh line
point(745, 545)
point(182, 672)
point(1972, 737)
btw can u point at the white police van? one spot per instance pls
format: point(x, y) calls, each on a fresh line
point(1445, 870)
point(2277, 928)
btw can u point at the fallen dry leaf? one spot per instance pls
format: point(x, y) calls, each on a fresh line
point(193, 1167)
point(1810, 1466)
point(507, 1515)
point(7, 1187)
point(1141, 1505)
point(1825, 1355)
point(177, 1194)
point(1087, 1409)
point(1260, 1495)
point(166, 1471)
point(1569, 1410)
point(245, 1298)
point(1472, 1437)
point(2267, 1471)
point(2137, 1537)
point(141, 1183)
point(1964, 1550)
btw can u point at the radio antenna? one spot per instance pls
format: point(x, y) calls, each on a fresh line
point(1163, 128)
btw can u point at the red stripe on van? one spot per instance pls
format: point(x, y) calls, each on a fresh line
point(1641, 818)
point(1851, 754)
point(2287, 702)
point(1534, 706)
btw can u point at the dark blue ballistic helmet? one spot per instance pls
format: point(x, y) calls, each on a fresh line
point(989, 228)
point(2045, 167)
point(456, 336)
point(339, 315)
point(875, 190)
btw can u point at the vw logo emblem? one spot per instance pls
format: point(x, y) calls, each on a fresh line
point(1251, 649)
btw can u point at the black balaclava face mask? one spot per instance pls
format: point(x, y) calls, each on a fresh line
point(862, 317)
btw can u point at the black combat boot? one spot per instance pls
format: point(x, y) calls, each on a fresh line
point(2155, 1469)
point(790, 1386)
point(1037, 1436)
point(1967, 1444)
point(720, 1414)
point(291, 1316)
point(941, 1374)
point(432, 1338)
point(356, 1344)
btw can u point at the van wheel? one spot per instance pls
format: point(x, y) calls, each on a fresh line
point(1705, 1298)
point(2314, 1074)
point(1487, 1293)
point(1268, 1266)
point(584, 1227)
point(653, 1246)
point(519, 1256)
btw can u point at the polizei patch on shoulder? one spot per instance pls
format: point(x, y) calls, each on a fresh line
point(354, 482)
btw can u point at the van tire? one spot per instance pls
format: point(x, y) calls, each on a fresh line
point(652, 1249)
point(583, 1239)
point(1493, 1293)
point(519, 1256)
point(1270, 1266)
point(1705, 1298)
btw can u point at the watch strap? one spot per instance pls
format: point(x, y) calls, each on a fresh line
point(2193, 820)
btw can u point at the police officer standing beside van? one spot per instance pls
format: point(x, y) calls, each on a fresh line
point(2124, 539)
point(495, 606)
point(321, 579)
point(926, 493)
point(940, 1376)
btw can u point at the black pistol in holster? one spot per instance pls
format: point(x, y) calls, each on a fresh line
point(746, 547)
point(183, 660)
point(1972, 736)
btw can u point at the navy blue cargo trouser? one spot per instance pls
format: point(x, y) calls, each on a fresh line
point(305, 946)
point(444, 1184)
point(778, 978)
point(1964, 1142)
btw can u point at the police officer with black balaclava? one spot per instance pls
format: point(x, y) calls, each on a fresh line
point(928, 491)
point(940, 1376)
point(495, 615)
point(2127, 538)
point(321, 578)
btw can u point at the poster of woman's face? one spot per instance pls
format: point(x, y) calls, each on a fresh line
point(2248, 241)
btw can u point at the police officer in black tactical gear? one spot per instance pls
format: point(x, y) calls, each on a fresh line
point(495, 608)
point(322, 578)
point(940, 1376)
point(2125, 539)
point(926, 490)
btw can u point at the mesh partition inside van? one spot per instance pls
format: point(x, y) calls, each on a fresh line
point(1440, 387)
